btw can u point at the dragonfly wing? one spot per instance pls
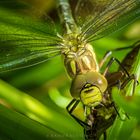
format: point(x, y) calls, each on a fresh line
point(24, 42)
point(15, 23)
point(87, 9)
point(23, 52)
point(108, 18)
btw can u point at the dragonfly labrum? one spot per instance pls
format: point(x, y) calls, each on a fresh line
point(24, 42)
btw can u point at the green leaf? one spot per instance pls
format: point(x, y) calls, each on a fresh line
point(37, 111)
point(122, 129)
point(16, 126)
point(129, 104)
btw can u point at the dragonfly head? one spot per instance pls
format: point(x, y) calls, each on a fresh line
point(89, 88)
point(91, 95)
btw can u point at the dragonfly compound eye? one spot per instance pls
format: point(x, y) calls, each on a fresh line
point(93, 81)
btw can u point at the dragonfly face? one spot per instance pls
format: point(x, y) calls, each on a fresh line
point(91, 95)
point(89, 88)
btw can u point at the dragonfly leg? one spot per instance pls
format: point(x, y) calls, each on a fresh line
point(109, 53)
point(72, 105)
point(119, 85)
point(70, 108)
point(112, 60)
point(113, 104)
point(106, 56)
point(82, 123)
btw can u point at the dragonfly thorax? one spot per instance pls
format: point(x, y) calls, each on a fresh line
point(80, 59)
point(72, 43)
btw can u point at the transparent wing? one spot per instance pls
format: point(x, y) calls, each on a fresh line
point(105, 16)
point(24, 42)
point(87, 9)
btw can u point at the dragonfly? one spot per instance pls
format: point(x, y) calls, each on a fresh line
point(24, 42)
point(103, 116)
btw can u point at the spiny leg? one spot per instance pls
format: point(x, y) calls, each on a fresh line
point(71, 107)
point(104, 59)
point(113, 104)
point(118, 85)
point(109, 53)
point(111, 62)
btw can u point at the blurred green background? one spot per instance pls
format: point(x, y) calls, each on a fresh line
point(33, 100)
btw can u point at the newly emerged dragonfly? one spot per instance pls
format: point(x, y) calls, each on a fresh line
point(24, 43)
point(101, 117)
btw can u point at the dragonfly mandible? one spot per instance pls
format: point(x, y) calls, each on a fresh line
point(25, 43)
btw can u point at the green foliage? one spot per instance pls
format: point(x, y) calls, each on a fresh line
point(33, 114)
point(129, 106)
point(37, 111)
point(19, 127)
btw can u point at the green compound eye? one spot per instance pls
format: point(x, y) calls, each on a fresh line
point(98, 80)
point(86, 80)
